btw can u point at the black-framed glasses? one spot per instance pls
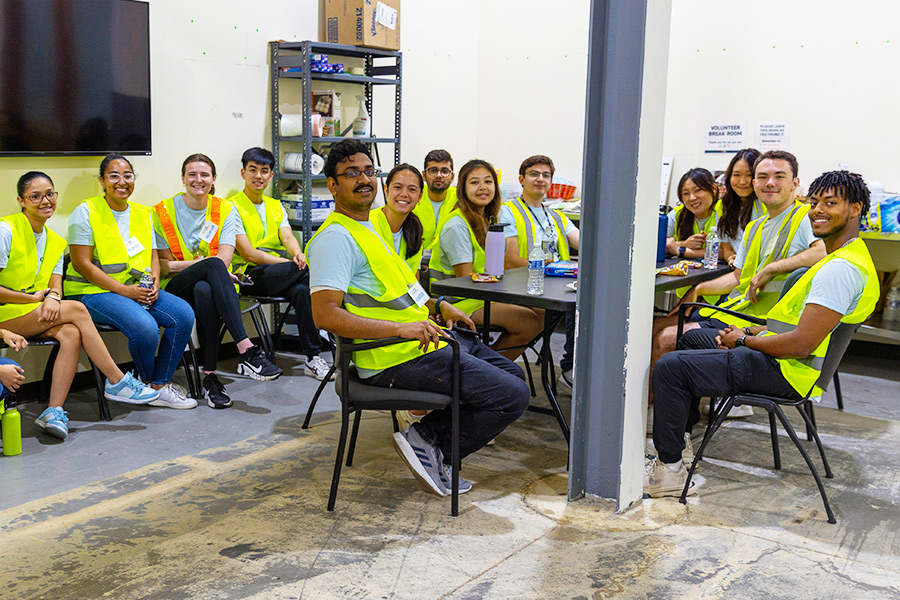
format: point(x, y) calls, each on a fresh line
point(116, 177)
point(539, 174)
point(438, 171)
point(38, 198)
point(355, 174)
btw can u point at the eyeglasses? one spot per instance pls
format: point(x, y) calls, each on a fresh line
point(438, 171)
point(38, 198)
point(540, 174)
point(115, 177)
point(354, 174)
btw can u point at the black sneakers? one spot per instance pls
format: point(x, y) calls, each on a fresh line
point(254, 364)
point(214, 392)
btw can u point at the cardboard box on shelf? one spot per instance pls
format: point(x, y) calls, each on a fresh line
point(373, 23)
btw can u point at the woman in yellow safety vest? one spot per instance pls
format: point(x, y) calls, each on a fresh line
point(691, 220)
point(739, 204)
point(395, 221)
point(459, 251)
point(112, 247)
point(195, 232)
point(31, 304)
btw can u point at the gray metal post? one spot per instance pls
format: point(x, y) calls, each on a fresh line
point(612, 120)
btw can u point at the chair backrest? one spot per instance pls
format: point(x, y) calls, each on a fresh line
point(840, 339)
point(792, 279)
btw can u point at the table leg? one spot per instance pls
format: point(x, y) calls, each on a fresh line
point(486, 323)
point(549, 324)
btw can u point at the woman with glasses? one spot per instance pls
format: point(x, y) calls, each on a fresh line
point(459, 252)
point(31, 305)
point(111, 245)
point(195, 232)
point(395, 221)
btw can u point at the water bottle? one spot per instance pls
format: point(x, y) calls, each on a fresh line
point(535, 271)
point(545, 244)
point(892, 305)
point(661, 229)
point(494, 250)
point(146, 283)
point(711, 252)
point(11, 428)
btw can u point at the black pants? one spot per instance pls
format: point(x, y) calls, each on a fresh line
point(682, 377)
point(285, 279)
point(703, 338)
point(208, 288)
point(568, 358)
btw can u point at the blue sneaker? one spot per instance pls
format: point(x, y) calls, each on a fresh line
point(53, 420)
point(422, 458)
point(130, 390)
point(446, 474)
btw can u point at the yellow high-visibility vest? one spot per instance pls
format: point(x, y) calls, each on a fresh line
point(437, 270)
point(379, 220)
point(267, 239)
point(425, 211)
point(526, 224)
point(21, 272)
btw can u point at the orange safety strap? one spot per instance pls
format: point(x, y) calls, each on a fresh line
point(169, 231)
point(215, 205)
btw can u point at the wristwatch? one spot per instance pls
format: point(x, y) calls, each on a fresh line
point(740, 341)
point(681, 250)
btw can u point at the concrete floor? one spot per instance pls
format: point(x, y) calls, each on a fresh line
point(207, 504)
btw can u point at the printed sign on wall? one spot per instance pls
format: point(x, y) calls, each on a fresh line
point(725, 137)
point(772, 135)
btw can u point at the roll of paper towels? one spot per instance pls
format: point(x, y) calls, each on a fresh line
point(291, 125)
point(293, 163)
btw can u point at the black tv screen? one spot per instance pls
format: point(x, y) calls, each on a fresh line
point(74, 77)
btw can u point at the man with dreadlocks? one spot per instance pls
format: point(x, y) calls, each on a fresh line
point(784, 357)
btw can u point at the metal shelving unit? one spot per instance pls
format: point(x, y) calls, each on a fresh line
point(298, 54)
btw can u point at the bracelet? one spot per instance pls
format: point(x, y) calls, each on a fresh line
point(437, 305)
point(57, 298)
point(747, 331)
point(681, 251)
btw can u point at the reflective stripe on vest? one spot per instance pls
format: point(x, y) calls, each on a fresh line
point(267, 239)
point(392, 304)
point(109, 247)
point(803, 373)
point(21, 272)
point(383, 227)
point(525, 225)
point(437, 270)
point(215, 212)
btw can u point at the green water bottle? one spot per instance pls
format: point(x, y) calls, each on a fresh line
point(11, 427)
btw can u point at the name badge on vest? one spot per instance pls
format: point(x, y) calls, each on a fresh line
point(208, 231)
point(133, 247)
point(417, 293)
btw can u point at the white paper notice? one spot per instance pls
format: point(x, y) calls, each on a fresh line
point(665, 178)
point(772, 135)
point(386, 15)
point(724, 137)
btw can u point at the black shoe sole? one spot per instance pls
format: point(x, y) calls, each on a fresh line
point(212, 404)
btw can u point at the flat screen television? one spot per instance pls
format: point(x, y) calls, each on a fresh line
point(74, 77)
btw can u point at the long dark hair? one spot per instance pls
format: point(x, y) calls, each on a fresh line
point(412, 226)
point(703, 179)
point(478, 221)
point(736, 212)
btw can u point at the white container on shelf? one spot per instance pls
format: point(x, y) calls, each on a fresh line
point(293, 163)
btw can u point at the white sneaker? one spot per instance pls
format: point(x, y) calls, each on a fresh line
point(318, 368)
point(740, 412)
point(173, 395)
point(565, 379)
point(687, 455)
point(660, 480)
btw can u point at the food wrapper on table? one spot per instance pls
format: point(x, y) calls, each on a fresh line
point(679, 269)
point(484, 278)
point(562, 268)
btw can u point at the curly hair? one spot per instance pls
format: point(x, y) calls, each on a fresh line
point(850, 186)
point(342, 151)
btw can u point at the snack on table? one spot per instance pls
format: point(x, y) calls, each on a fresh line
point(484, 278)
point(679, 269)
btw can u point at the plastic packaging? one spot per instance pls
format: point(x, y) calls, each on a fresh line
point(892, 305)
point(494, 249)
point(535, 271)
point(661, 229)
point(293, 163)
point(362, 125)
point(146, 283)
point(711, 251)
point(11, 429)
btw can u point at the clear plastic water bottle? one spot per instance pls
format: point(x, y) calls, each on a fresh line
point(146, 283)
point(545, 244)
point(892, 305)
point(711, 252)
point(535, 271)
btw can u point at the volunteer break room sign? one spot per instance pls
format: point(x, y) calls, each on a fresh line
point(725, 137)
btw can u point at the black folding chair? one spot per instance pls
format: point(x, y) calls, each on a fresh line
point(253, 306)
point(357, 396)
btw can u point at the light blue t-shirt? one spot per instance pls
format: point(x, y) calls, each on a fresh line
point(261, 211)
point(802, 240)
point(40, 240)
point(336, 262)
point(670, 226)
point(82, 234)
point(456, 246)
point(190, 222)
point(838, 285)
point(755, 213)
point(542, 219)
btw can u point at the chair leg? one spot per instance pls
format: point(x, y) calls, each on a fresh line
point(773, 431)
point(812, 468)
point(394, 421)
point(47, 379)
point(811, 413)
point(315, 398)
point(195, 368)
point(102, 403)
point(259, 321)
point(811, 427)
point(528, 373)
point(837, 391)
point(707, 437)
point(339, 458)
point(353, 436)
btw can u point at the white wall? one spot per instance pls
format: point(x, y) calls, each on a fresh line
point(826, 67)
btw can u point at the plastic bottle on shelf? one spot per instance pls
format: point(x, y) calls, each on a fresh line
point(146, 283)
point(362, 125)
point(892, 304)
point(711, 252)
point(535, 271)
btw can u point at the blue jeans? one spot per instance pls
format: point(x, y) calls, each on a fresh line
point(5, 361)
point(492, 393)
point(141, 327)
